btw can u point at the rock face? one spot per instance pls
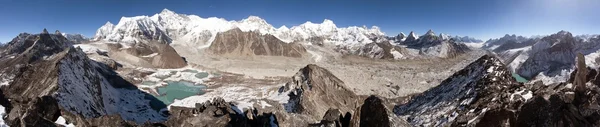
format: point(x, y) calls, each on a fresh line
point(157, 54)
point(572, 103)
point(334, 118)
point(217, 113)
point(484, 85)
point(411, 37)
point(373, 113)
point(314, 90)
point(552, 56)
point(44, 77)
point(238, 43)
point(486, 95)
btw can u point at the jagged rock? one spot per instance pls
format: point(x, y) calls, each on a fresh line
point(373, 113)
point(314, 90)
point(167, 57)
point(400, 37)
point(581, 74)
point(465, 97)
point(553, 54)
point(411, 37)
point(41, 111)
point(48, 66)
point(163, 55)
point(333, 118)
point(573, 103)
point(45, 31)
point(217, 113)
point(235, 42)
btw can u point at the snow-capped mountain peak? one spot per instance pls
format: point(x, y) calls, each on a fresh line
point(283, 28)
point(444, 36)
point(253, 23)
point(430, 33)
point(411, 36)
point(254, 19)
point(108, 23)
point(103, 31)
point(167, 11)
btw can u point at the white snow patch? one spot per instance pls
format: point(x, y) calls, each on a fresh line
point(525, 96)
point(62, 121)
point(151, 55)
point(397, 55)
point(570, 86)
point(316, 56)
point(2, 114)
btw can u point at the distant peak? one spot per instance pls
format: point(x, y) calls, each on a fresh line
point(430, 32)
point(283, 28)
point(412, 33)
point(563, 32)
point(254, 19)
point(45, 31)
point(167, 11)
point(57, 32)
point(375, 27)
point(327, 21)
point(108, 24)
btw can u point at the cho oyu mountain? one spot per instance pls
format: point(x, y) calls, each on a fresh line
point(192, 30)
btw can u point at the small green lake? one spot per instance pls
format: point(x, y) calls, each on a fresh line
point(178, 90)
point(519, 78)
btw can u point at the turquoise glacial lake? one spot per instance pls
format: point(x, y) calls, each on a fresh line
point(178, 90)
point(519, 78)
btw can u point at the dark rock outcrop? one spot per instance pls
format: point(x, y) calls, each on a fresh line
point(236, 42)
point(315, 90)
point(217, 113)
point(373, 113)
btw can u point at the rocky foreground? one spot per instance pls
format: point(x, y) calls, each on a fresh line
point(45, 79)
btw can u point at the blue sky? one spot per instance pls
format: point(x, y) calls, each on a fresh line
point(483, 19)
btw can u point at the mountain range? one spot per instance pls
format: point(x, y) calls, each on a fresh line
point(173, 69)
